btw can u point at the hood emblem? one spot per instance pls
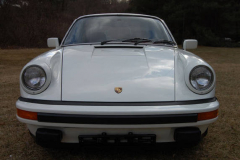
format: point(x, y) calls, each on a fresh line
point(118, 90)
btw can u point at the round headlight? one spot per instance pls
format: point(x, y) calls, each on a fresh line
point(201, 78)
point(34, 77)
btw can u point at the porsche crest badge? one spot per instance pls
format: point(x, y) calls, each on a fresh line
point(118, 90)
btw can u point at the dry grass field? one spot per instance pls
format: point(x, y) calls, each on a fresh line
point(222, 141)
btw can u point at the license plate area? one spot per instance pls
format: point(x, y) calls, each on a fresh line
point(106, 139)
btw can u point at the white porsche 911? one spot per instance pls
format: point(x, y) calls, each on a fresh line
point(117, 79)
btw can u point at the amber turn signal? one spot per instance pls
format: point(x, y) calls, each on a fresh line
point(27, 114)
point(207, 115)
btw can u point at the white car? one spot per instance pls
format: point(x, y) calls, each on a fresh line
point(117, 79)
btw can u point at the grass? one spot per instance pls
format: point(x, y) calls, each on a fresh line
point(222, 142)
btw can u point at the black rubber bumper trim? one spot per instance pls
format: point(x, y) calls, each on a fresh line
point(117, 119)
point(85, 103)
point(136, 47)
point(187, 135)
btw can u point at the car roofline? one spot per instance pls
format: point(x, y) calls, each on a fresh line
point(118, 14)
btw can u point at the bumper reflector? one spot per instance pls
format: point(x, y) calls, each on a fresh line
point(27, 114)
point(207, 115)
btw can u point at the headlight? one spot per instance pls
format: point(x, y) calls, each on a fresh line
point(201, 78)
point(34, 77)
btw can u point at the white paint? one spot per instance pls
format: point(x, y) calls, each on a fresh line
point(190, 44)
point(92, 74)
point(53, 42)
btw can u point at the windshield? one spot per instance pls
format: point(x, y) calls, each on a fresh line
point(104, 28)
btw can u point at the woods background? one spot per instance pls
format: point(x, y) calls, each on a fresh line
point(28, 23)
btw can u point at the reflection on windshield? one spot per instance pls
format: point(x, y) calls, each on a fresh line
point(104, 28)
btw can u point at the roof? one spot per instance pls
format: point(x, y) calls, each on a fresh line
point(119, 14)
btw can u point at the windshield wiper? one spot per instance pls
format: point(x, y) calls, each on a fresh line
point(165, 41)
point(137, 40)
point(104, 42)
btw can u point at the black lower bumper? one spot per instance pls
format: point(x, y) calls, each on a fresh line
point(117, 119)
point(48, 136)
point(187, 135)
point(52, 138)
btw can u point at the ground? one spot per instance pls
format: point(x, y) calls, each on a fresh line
point(222, 141)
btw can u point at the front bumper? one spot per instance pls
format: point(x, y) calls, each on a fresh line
point(164, 130)
point(52, 138)
point(118, 108)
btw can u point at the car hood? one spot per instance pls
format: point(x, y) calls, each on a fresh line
point(91, 73)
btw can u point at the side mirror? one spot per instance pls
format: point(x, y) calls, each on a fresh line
point(190, 44)
point(53, 42)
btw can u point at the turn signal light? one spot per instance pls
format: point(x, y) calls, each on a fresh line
point(27, 114)
point(207, 115)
